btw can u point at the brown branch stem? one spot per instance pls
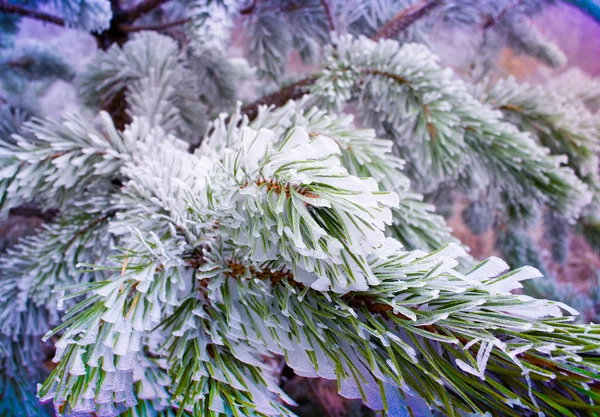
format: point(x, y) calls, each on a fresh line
point(405, 18)
point(492, 20)
point(90, 226)
point(26, 211)
point(329, 15)
point(250, 8)
point(6, 7)
point(291, 92)
point(142, 8)
point(159, 27)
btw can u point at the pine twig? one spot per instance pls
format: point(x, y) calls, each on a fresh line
point(159, 27)
point(250, 8)
point(19, 62)
point(90, 226)
point(405, 18)
point(330, 17)
point(291, 92)
point(25, 211)
point(31, 13)
point(142, 8)
point(296, 90)
point(358, 300)
point(493, 20)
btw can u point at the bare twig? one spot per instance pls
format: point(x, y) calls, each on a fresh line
point(159, 27)
point(406, 18)
point(27, 12)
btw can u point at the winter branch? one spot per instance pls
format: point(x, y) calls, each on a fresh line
point(158, 28)
point(249, 9)
point(28, 211)
point(491, 21)
point(142, 8)
point(291, 92)
point(406, 18)
point(330, 17)
point(27, 12)
point(296, 90)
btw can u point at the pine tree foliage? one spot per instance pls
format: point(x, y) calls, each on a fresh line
point(54, 161)
point(152, 74)
point(518, 248)
point(9, 27)
point(459, 137)
point(26, 73)
point(570, 130)
point(578, 85)
point(219, 240)
point(212, 21)
point(89, 15)
point(257, 291)
point(174, 268)
point(505, 24)
point(415, 224)
point(564, 124)
point(33, 63)
point(556, 231)
point(279, 27)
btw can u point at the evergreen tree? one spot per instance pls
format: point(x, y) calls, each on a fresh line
point(189, 238)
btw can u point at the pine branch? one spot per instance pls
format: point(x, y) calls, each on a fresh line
point(19, 62)
point(377, 318)
point(292, 92)
point(157, 28)
point(27, 211)
point(330, 17)
point(359, 300)
point(169, 94)
point(273, 238)
point(493, 20)
point(298, 89)
point(90, 226)
point(249, 9)
point(31, 13)
point(140, 9)
point(405, 18)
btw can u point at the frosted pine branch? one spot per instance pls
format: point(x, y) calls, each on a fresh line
point(267, 225)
